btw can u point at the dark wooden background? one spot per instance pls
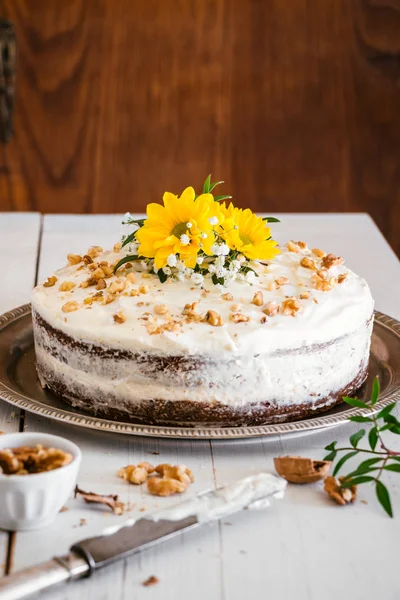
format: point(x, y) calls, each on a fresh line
point(295, 103)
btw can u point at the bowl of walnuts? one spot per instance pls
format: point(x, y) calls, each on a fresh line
point(38, 472)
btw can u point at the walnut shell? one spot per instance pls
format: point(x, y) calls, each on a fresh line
point(297, 469)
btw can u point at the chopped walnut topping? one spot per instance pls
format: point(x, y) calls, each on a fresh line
point(258, 299)
point(133, 474)
point(322, 285)
point(291, 306)
point(108, 298)
point(342, 277)
point(338, 494)
point(304, 295)
point(98, 274)
point(281, 281)
point(152, 580)
point(70, 306)
point(213, 318)
point(301, 245)
point(101, 284)
point(323, 273)
point(332, 261)
point(271, 309)
point(271, 286)
point(134, 293)
point(131, 277)
point(165, 486)
point(205, 293)
point(318, 252)
point(239, 318)
point(117, 286)
point(227, 297)
point(297, 469)
point(154, 329)
point(50, 281)
point(293, 247)
point(87, 259)
point(143, 289)
point(160, 309)
point(263, 320)
point(308, 263)
point(117, 247)
point(120, 317)
point(108, 270)
point(190, 309)
point(67, 286)
point(74, 259)
point(180, 472)
point(234, 307)
point(94, 251)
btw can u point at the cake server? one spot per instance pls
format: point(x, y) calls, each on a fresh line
point(116, 543)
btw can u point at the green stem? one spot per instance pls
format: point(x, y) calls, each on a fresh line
point(361, 450)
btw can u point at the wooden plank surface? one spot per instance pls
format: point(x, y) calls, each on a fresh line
point(294, 103)
point(303, 546)
point(19, 243)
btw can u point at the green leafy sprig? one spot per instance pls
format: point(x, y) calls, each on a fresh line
point(372, 469)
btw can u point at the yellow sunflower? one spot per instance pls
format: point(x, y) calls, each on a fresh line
point(247, 233)
point(183, 226)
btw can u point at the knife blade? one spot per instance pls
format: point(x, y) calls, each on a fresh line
point(133, 536)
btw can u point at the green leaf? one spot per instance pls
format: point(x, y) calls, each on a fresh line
point(395, 468)
point(207, 184)
point(395, 458)
point(162, 276)
point(214, 185)
point(355, 402)
point(216, 280)
point(356, 437)
point(376, 390)
point(386, 411)
point(341, 462)
point(360, 419)
point(383, 496)
point(129, 238)
point(126, 259)
point(394, 429)
point(221, 198)
point(331, 455)
point(365, 467)
point(356, 481)
point(391, 419)
point(271, 219)
point(330, 446)
point(373, 437)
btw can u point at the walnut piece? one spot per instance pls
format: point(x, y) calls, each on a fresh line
point(342, 277)
point(258, 299)
point(94, 251)
point(281, 280)
point(101, 284)
point(110, 500)
point(271, 309)
point(74, 259)
point(165, 486)
point(180, 472)
point(160, 309)
point(291, 306)
point(152, 580)
point(24, 460)
point(88, 260)
point(297, 469)
point(332, 261)
point(227, 297)
point(120, 317)
point(143, 289)
point(304, 295)
point(131, 277)
point(318, 252)
point(293, 247)
point(67, 286)
point(70, 306)
point(117, 247)
point(308, 263)
point(50, 281)
point(136, 474)
point(340, 495)
point(239, 318)
point(213, 318)
point(117, 286)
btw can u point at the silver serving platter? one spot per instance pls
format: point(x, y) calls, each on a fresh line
point(19, 386)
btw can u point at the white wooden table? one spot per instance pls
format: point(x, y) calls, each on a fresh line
point(303, 547)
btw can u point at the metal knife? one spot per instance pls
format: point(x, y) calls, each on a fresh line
point(87, 556)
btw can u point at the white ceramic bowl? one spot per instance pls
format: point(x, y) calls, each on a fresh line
point(33, 501)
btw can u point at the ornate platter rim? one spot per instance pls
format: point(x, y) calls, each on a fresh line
point(70, 417)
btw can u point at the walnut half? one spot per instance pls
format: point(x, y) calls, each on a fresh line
point(297, 469)
point(338, 494)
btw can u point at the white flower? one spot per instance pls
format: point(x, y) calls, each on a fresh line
point(200, 260)
point(197, 278)
point(167, 270)
point(220, 272)
point(185, 239)
point(213, 220)
point(215, 249)
point(241, 276)
point(127, 217)
point(220, 261)
point(235, 265)
point(172, 260)
point(180, 266)
point(181, 276)
point(188, 271)
point(212, 268)
point(251, 277)
point(203, 236)
point(241, 258)
point(224, 249)
point(189, 225)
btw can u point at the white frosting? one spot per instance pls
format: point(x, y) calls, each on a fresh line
point(338, 312)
